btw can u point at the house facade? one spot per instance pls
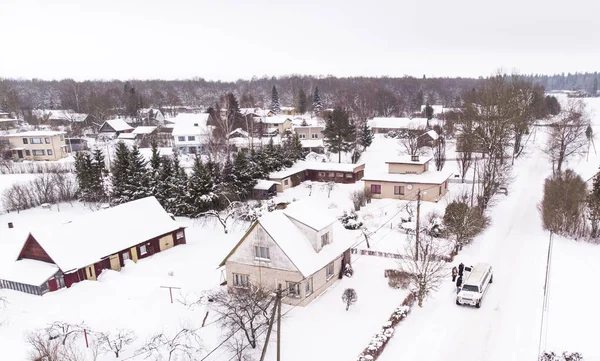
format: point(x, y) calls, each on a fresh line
point(296, 250)
point(6, 121)
point(79, 250)
point(114, 127)
point(190, 132)
point(317, 172)
point(273, 125)
point(407, 176)
point(380, 125)
point(36, 145)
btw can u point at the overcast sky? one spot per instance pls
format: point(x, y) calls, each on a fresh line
point(232, 39)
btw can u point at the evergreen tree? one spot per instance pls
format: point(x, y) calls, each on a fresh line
point(228, 185)
point(593, 201)
point(428, 111)
point(163, 191)
point(155, 158)
point(339, 132)
point(255, 165)
point(302, 102)
point(179, 188)
point(233, 109)
point(97, 186)
point(83, 173)
point(138, 184)
point(419, 100)
point(317, 105)
point(275, 104)
point(243, 175)
point(201, 194)
point(120, 174)
point(366, 136)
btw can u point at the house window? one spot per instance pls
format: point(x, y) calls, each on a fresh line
point(192, 150)
point(286, 182)
point(348, 175)
point(61, 282)
point(376, 188)
point(90, 271)
point(331, 174)
point(36, 140)
point(261, 252)
point(25, 141)
point(143, 250)
point(324, 239)
point(47, 140)
point(329, 271)
point(293, 289)
point(302, 136)
point(440, 190)
point(321, 174)
point(399, 190)
point(308, 288)
point(125, 256)
point(240, 280)
point(195, 124)
point(314, 136)
point(180, 235)
point(38, 152)
point(49, 152)
point(27, 152)
point(181, 139)
point(446, 184)
point(191, 138)
point(339, 175)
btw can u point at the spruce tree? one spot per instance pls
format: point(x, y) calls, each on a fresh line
point(228, 185)
point(243, 175)
point(275, 104)
point(83, 173)
point(317, 105)
point(302, 102)
point(366, 136)
point(200, 189)
point(120, 174)
point(163, 191)
point(339, 132)
point(233, 109)
point(256, 167)
point(138, 184)
point(155, 158)
point(99, 172)
point(179, 188)
point(155, 161)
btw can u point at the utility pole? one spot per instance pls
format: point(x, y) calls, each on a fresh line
point(276, 307)
point(473, 187)
point(417, 225)
point(279, 324)
point(545, 303)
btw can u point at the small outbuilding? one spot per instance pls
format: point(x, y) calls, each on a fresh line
point(264, 189)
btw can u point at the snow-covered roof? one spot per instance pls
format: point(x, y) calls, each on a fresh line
point(89, 238)
point(433, 134)
point(59, 114)
point(190, 124)
point(407, 159)
point(286, 108)
point(239, 131)
point(34, 133)
point(28, 271)
point(429, 177)
point(126, 136)
point(297, 247)
point(242, 142)
point(301, 166)
point(144, 130)
point(304, 212)
point(311, 143)
point(256, 111)
point(264, 185)
point(437, 109)
point(119, 125)
point(276, 119)
point(6, 120)
point(399, 123)
point(147, 152)
point(11, 243)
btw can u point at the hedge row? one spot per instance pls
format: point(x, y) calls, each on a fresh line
point(381, 338)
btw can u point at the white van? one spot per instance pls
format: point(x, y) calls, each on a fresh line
point(474, 287)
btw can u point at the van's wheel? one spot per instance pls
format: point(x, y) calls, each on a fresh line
point(492, 279)
point(478, 305)
point(458, 303)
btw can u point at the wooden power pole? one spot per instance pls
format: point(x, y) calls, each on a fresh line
point(276, 307)
point(279, 326)
point(473, 186)
point(417, 230)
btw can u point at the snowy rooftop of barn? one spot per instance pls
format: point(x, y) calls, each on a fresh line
point(264, 185)
point(90, 237)
point(119, 125)
point(144, 130)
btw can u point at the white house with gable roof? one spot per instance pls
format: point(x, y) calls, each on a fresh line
point(190, 131)
point(298, 249)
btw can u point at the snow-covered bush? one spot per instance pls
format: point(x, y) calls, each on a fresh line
point(350, 220)
point(391, 134)
point(398, 279)
point(358, 199)
point(348, 270)
point(566, 356)
point(435, 225)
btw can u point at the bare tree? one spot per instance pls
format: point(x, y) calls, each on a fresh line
point(410, 144)
point(234, 209)
point(66, 187)
point(328, 186)
point(184, 345)
point(358, 199)
point(568, 134)
point(116, 342)
point(64, 331)
point(237, 344)
point(427, 271)
point(244, 310)
point(349, 297)
point(563, 204)
point(439, 153)
point(46, 348)
point(463, 222)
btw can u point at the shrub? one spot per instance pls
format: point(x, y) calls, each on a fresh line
point(358, 199)
point(350, 220)
point(398, 279)
point(562, 207)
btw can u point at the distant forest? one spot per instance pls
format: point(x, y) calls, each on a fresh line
point(365, 97)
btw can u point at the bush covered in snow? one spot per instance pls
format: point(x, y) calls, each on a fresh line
point(566, 356)
point(398, 279)
point(381, 338)
point(350, 220)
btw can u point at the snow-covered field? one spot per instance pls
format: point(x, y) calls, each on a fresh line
point(507, 326)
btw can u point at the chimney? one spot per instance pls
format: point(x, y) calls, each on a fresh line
point(10, 225)
point(414, 158)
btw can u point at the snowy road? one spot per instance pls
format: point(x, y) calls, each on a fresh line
point(507, 325)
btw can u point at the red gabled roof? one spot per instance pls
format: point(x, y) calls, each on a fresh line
point(33, 250)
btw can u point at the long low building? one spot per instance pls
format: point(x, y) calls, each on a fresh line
point(406, 176)
point(59, 256)
point(317, 172)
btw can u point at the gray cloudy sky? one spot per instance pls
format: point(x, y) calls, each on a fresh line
point(231, 39)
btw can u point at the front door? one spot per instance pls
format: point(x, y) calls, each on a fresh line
point(20, 154)
point(166, 242)
point(52, 286)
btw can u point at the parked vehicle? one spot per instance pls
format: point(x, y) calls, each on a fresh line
point(475, 286)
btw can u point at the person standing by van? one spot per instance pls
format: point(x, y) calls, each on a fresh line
point(461, 268)
point(458, 284)
point(454, 273)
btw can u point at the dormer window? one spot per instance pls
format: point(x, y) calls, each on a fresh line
point(325, 239)
point(195, 124)
point(414, 158)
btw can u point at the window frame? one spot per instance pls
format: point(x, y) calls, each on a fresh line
point(286, 182)
point(191, 138)
point(260, 252)
point(289, 285)
point(35, 141)
point(25, 141)
point(143, 250)
point(376, 188)
point(401, 190)
point(27, 153)
point(49, 152)
point(123, 256)
point(179, 235)
point(302, 136)
point(238, 280)
point(47, 140)
point(308, 290)
point(34, 151)
point(314, 136)
point(181, 138)
point(329, 275)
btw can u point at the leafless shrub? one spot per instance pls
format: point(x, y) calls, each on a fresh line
point(399, 279)
point(329, 186)
point(46, 348)
point(184, 345)
point(358, 199)
point(117, 341)
point(463, 223)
